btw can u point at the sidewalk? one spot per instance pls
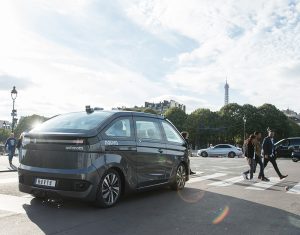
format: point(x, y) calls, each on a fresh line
point(4, 165)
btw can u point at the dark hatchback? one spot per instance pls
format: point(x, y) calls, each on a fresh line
point(285, 147)
point(98, 155)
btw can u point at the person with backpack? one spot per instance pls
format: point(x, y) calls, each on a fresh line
point(249, 148)
point(10, 145)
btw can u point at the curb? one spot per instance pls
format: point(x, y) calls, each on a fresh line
point(8, 170)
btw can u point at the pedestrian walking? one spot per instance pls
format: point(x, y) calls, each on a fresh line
point(258, 157)
point(185, 135)
point(10, 145)
point(250, 154)
point(268, 151)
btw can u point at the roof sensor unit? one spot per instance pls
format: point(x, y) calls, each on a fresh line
point(88, 109)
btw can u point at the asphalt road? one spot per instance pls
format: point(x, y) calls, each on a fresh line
point(215, 201)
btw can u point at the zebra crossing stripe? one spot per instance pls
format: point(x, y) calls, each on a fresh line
point(13, 203)
point(206, 177)
point(265, 185)
point(198, 172)
point(9, 180)
point(228, 182)
point(295, 189)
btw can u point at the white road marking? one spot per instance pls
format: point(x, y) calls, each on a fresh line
point(9, 180)
point(228, 182)
point(198, 172)
point(265, 185)
point(206, 177)
point(295, 189)
point(13, 203)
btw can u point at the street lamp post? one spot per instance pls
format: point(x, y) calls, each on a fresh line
point(244, 119)
point(13, 94)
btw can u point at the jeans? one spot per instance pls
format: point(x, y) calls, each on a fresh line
point(261, 165)
point(251, 163)
point(11, 154)
point(273, 161)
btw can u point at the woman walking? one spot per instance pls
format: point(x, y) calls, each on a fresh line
point(250, 154)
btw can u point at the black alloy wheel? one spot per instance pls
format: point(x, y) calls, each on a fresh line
point(109, 191)
point(231, 154)
point(180, 177)
point(204, 154)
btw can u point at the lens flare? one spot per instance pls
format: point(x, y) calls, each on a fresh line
point(222, 216)
point(191, 196)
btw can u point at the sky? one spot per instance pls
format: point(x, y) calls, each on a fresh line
point(64, 54)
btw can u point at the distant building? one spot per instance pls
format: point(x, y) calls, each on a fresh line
point(226, 93)
point(161, 107)
point(292, 115)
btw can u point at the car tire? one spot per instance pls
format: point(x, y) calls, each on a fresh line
point(294, 159)
point(180, 178)
point(109, 189)
point(231, 154)
point(204, 154)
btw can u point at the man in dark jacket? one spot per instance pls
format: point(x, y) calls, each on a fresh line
point(10, 144)
point(269, 152)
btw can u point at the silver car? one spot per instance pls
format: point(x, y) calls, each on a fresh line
point(226, 150)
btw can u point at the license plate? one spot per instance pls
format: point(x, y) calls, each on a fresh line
point(45, 182)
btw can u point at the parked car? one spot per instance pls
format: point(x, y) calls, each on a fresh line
point(284, 147)
point(296, 154)
point(227, 150)
point(98, 155)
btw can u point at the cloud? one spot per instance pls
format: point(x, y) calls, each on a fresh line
point(250, 43)
point(63, 56)
point(7, 82)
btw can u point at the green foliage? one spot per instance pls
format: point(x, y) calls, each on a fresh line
point(293, 129)
point(133, 109)
point(227, 125)
point(177, 117)
point(27, 123)
point(148, 110)
point(4, 134)
point(207, 127)
point(202, 125)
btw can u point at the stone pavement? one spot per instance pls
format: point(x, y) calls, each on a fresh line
point(4, 165)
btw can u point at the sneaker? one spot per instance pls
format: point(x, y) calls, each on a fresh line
point(265, 179)
point(283, 176)
point(245, 176)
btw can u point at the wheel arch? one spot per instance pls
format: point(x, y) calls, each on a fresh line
point(122, 176)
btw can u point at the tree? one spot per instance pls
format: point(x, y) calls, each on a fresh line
point(177, 116)
point(148, 110)
point(232, 118)
point(27, 123)
point(203, 127)
point(274, 119)
point(4, 134)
